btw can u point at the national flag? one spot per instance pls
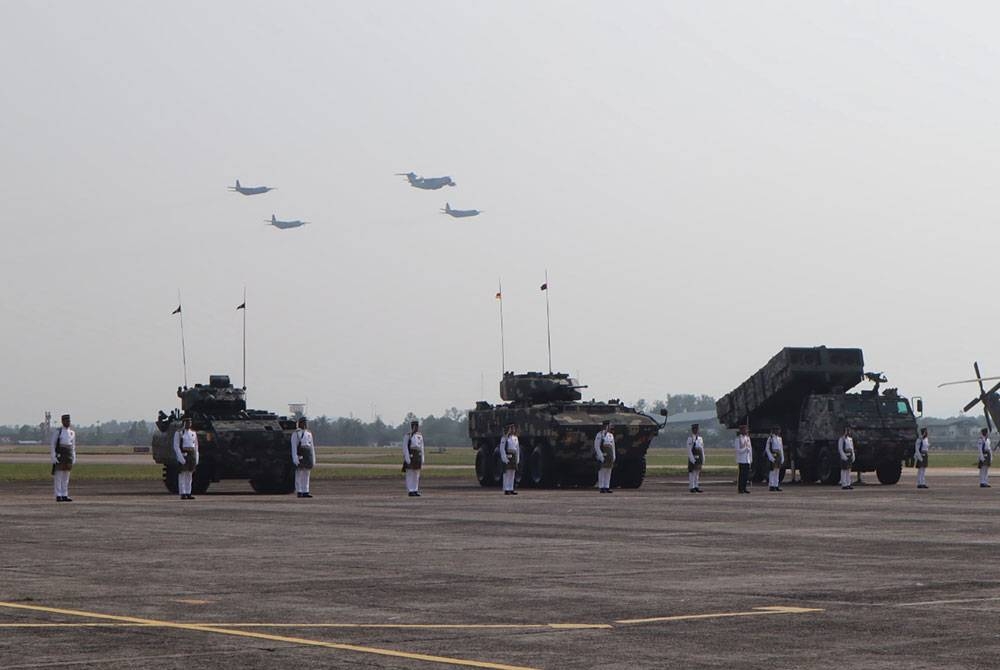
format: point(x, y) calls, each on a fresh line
point(177, 311)
point(242, 306)
point(499, 297)
point(545, 286)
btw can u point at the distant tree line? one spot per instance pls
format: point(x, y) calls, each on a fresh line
point(447, 430)
point(677, 404)
point(102, 433)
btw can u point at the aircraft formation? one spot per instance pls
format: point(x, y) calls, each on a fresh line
point(423, 183)
point(433, 184)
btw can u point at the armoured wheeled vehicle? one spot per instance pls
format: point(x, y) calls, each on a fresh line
point(804, 391)
point(556, 432)
point(233, 442)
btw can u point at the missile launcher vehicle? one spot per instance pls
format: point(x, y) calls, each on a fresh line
point(233, 442)
point(804, 391)
point(556, 431)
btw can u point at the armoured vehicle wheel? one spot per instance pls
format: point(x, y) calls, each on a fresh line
point(761, 468)
point(889, 472)
point(541, 469)
point(629, 474)
point(202, 480)
point(483, 472)
point(807, 472)
point(170, 471)
point(498, 468)
point(282, 483)
point(828, 469)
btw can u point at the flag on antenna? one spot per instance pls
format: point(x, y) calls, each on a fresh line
point(242, 305)
point(498, 295)
point(177, 311)
point(545, 286)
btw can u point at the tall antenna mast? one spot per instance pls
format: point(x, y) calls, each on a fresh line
point(503, 365)
point(243, 306)
point(548, 321)
point(183, 348)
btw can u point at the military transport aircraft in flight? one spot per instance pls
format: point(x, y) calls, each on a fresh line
point(426, 183)
point(250, 190)
point(459, 213)
point(284, 225)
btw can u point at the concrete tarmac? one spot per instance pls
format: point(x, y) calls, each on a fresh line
point(362, 576)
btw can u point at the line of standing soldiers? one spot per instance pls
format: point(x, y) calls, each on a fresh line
point(303, 453)
point(774, 450)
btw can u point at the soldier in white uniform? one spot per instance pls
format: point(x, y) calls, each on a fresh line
point(413, 459)
point(744, 457)
point(845, 449)
point(63, 454)
point(604, 452)
point(696, 458)
point(985, 458)
point(510, 456)
point(186, 453)
point(920, 449)
point(774, 449)
point(303, 457)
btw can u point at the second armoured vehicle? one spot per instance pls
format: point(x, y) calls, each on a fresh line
point(804, 391)
point(556, 431)
point(233, 442)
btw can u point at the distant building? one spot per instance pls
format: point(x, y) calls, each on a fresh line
point(706, 419)
point(678, 426)
point(960, 433)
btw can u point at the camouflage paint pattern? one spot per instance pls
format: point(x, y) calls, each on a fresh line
point(556, 431)
point(233, 442)
point(804, 392)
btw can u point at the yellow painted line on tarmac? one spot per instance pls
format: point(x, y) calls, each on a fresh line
point(265, 636)
point(757, 611)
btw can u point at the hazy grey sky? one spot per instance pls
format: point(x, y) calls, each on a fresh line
point(705, 182)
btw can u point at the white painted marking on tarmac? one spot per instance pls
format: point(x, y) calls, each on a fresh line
point(757, 611)
point(397, 626)
point(925, 603)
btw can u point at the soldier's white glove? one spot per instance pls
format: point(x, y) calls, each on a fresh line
point(600, 460)
point(182, 461)
point(296, 462)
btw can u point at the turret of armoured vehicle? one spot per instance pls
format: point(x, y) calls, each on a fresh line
point(804, 392)
point(233, 442)
point(556, 430)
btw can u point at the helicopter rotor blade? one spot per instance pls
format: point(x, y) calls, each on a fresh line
point(967, 381)
point(982, 398)
point(975, 366)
